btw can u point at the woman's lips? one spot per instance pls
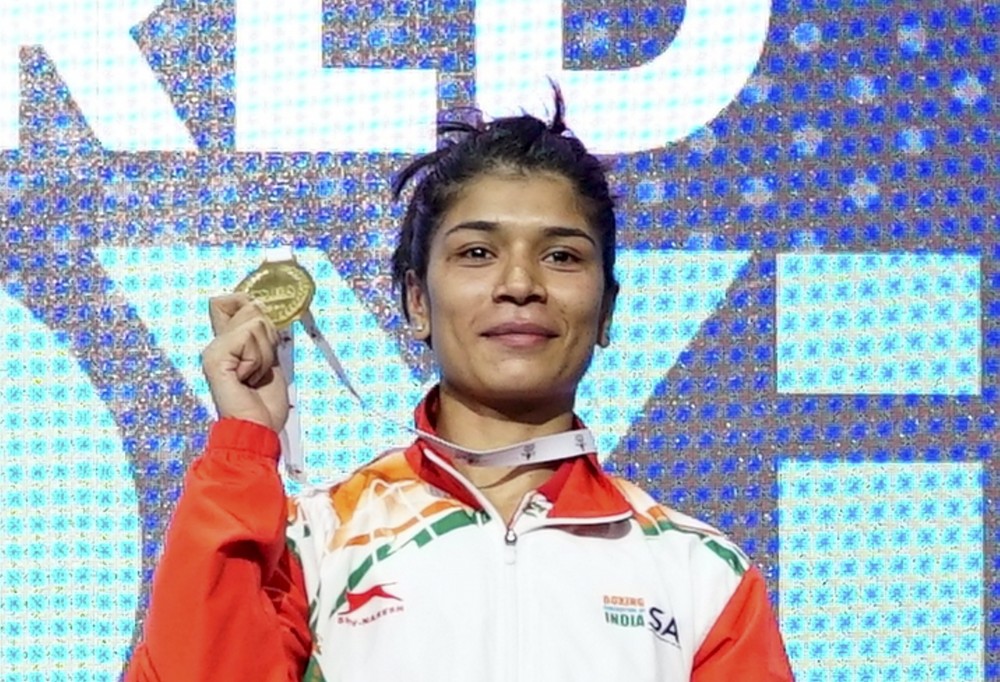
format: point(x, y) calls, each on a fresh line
point(519, 340)
point(520, 334)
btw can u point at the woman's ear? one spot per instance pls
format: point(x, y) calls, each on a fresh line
point(607, 312)
point(417, 305)
point(604, 340)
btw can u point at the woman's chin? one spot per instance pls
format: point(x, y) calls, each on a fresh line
point(524, 390)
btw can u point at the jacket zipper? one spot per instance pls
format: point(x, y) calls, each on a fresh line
point(509, 596)
point(509, 626)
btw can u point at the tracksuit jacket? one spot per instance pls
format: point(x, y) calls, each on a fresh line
point(404, 571)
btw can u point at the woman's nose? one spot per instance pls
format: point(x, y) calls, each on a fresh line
point(520, 282)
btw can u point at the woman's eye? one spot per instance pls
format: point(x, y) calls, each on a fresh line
point(475, 253)
point(563, 257)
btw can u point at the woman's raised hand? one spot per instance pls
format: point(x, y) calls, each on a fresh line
point(241, 363)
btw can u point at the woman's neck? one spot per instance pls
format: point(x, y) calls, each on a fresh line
point(474, 425)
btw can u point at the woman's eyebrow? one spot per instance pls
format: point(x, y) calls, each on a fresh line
point(560, 231)
point(551, 231)
point(478, 225)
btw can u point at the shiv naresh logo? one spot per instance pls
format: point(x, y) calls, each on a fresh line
point(358, 600)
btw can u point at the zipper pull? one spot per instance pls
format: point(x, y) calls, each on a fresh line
point(510, 542)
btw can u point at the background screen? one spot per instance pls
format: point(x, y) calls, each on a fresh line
point(805, 352)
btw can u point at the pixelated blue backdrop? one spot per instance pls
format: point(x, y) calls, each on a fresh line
point(805, 352)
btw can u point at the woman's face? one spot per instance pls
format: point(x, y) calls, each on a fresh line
point(515, 295)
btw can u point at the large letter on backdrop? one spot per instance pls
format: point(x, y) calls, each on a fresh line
point(71, 538)
point(286, 101)
point(519, 43)
point(110, 80)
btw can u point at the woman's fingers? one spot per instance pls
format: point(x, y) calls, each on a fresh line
point(221, 310)
point(254, 348)
point(248, 354)
point(253, 310)
point(232, 310)
point(239, 311)
point(265, 342)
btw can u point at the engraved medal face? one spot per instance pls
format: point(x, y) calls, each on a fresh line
point(285, 288)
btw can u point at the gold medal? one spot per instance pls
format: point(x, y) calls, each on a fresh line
point(284, 287)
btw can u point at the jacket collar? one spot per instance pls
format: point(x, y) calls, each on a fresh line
point(578, 489)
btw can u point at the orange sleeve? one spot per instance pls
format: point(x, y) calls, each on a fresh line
point(744, 643)
point(228, 599)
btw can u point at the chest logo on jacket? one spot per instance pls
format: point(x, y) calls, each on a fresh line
point(359, 600)
point(631, 612)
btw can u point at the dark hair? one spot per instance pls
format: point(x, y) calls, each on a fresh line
point(520, 144)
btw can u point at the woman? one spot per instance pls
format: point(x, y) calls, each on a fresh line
point(423, 565)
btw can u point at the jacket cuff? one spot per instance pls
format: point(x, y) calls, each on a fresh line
point(246, 437)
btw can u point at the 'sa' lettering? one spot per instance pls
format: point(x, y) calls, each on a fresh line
point(664, 629)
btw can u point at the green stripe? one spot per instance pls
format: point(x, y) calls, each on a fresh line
point(313, 617)
point(313, 621)
point(453, 521)
point(294, 549)
point(733, 557)
point(313, 673)
point(736, 559)
point(420, 539)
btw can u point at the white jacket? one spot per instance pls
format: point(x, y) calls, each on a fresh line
point(403, 571)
